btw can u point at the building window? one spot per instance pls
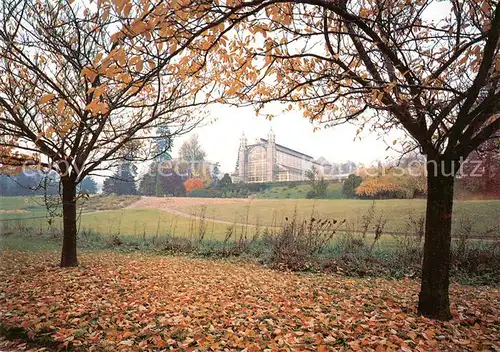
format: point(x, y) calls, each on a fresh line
point(283, 176)
point(257, 164)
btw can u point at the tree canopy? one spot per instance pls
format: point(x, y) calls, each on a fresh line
point(191, 150)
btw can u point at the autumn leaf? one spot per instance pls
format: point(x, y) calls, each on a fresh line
point(147, 302)
point(60, 106)
point(138, 65)
point(89, 73)
point(46, 98)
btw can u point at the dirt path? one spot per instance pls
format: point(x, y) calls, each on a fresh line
point(170, 205)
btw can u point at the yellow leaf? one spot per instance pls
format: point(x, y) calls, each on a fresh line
point(105, 14)
point(46, 98)
point(49, 132)
point(60, 106)
point(89, 73)
point(138, 65)
point(118, 3)
point(138, 26)
point(117, 36)
point(126, 9)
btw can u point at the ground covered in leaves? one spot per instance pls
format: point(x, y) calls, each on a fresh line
point(140, 302)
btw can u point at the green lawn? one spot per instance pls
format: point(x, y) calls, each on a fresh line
point(484, 214)
point(266, 212)
point(137, 222)
point(119, 221)
point(29, 206)
point(134, 222)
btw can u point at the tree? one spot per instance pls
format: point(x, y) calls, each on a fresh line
point(191, 150)
point(79, 89)
point(122, 182)
point(383, 64)
point(202, 171)
point(392, 181)
point(89, 185)
point(193, 184)
point(215, 175)
point(163, 143)
point(172, 183)
point(318, 184)
point(350, 185)
point(225, 181)
point(148, 185)
point(480, 173)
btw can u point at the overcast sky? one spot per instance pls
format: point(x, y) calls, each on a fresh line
point(221, 138)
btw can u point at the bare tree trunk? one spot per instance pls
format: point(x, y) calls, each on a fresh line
point(68, 255)
point(434, 301)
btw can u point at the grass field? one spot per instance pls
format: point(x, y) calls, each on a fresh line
point(28, 207)
point(151, 216)
point(106, 215)
point(135, 222)
point(483, 214)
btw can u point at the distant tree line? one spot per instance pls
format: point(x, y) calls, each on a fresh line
point(36, 183)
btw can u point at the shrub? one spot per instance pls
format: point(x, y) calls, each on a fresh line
point(350, 185)
point(206, 193)
point(388, 182)
point(381, 187)
point(295, 244)
point(193, 184)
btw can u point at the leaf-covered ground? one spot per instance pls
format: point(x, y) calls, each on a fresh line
point(138, 302)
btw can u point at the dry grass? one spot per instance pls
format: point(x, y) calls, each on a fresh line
point(269, 212)
point(107, 202)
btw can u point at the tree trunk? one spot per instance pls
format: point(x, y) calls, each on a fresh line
point(434, 301)
point(68, 255)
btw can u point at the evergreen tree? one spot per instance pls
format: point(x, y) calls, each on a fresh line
point(30, 183)
point(215, 175)
point(350, 185)
point(163, 143)
point(225, 181)
point(122, 182)
point(151, 183)
point(89, 185)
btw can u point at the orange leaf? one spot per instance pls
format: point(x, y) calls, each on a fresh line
point(60, 106)
point(46, 98)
